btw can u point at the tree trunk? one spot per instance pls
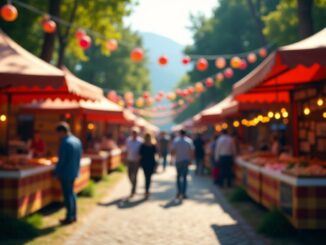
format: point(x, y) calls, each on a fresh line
point(63, 37)
point(49, 38)
point(258, 21)
point(305, 18)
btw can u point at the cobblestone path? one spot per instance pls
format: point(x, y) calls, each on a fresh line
point(204, 218)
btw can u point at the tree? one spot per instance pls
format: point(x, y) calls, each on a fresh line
point(117, 71)
point(305, 18)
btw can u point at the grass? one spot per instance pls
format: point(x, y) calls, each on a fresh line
point(239, 195)
point(121, 168)
point(43, 227)
point(89, 191)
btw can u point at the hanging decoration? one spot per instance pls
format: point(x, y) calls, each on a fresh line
point(219, 77)
point(85, 42)
point(263, 52)
point(186, 60)
point(243, 64)
point(228, 73)
point(112, 45)
point(163, 60)
point(252, 58)
point(48, 25)
point(209, 82)
point(220, 63)
point(80, 33)
point(137, 55)
point(199, 88)
point(9, 12)
point(235, 62)
point(202, 64)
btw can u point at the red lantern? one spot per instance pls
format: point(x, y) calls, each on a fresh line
point(191, 90)
point(85, 42)
point(112, 95)
point(219, 77)
point(220, 63)
point(252, 58)
point(163, 60)
point(137, 54)
point(186, 60)
point(209, 82)
point(80, 33)
point(146, 95)
point(49, 26)
point(228, 73)
point(112, 45)
point(235, 62)
point(202, 64)
point(185, 93)
point(9, 12)
point(263, 52)
point(243, 65)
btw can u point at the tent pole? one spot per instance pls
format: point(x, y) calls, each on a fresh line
point(9, 101)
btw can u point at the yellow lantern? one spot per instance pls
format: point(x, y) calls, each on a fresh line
point(306, 111)
point(236, 124)
point(320, 102)
point(270, 114)
point(3, 118)
point(235, 62)
point(277, 115)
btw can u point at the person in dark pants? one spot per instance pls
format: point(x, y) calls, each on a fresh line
point(199, 154)
point(147, 153)
point(67, 169)
point(163, 146)
point(182, 149)
point(225, 152)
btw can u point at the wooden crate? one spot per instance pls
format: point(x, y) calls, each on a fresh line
point(99, 164)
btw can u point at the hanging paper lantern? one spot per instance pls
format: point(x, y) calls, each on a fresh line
point(163, 60)
point(186, 60)
point(263, 52)
point(158, 98)
point(185, 93)
point(149, 101)
point(202, 64)
point(171, 96)
point(146, 95)
point(191, 90)
point(112, 45)
point(140, 102)
point(181, 102)
point(235, 62)
point(228, 73)
point(243, 64)
point(85, 42)
point(49, 26)
point(130, 103)
point(209, 82)
point(9, 12)
point(80, 33)
point(219, 77)
point(137, 54)
point(252, 58)
point(129, 96)
point(220, 63)
point(178, 91)
point(112, 95)
point(199, 87)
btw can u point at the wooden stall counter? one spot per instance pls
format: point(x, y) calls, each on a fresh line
point(114, 159)
point(99, 164)
point(25, 191)
point(80, 183)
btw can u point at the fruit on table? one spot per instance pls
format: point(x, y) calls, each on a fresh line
point(312, 170)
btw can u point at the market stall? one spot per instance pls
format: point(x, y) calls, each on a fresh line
point(99, 164)
point(115, 159)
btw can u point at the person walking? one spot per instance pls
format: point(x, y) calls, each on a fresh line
point(67, 169)
point(183, 150)
point(132, 146)
point(225, 152)
point(199, 154)
point(147, 154)
point(163, 146)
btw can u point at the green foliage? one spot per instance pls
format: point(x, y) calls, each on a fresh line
point(117, 71)
point(275, 224)
point(19, 228)
point(239, 195)
point(121, 168)
point(89, 191)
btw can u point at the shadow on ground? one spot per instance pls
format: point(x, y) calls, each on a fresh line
point(123, 203)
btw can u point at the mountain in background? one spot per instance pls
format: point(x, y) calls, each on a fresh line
point(164, 78)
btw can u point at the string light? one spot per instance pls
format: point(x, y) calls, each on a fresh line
point(236, 124)
point(91, 126)
point(3, 118)
point(277, 115)
point(320, 102)
point(285, 114)
point(270, 114)
point(324, 114)
point(306, 111)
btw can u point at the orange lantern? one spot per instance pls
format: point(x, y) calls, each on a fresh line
point(49, 26)
point(186, 60)
point(149, 101)
point(202, 64)
point(262, 52)
point(235, 62)
point(220, 63)
point(228, 73)
point(219, 77)
point(209, 82)
point(9, 12)
point(252, 58)
point(140, 102)
point(163, 60)
point(80, 33)
point(85, 42)
point(112, 45)
point(137, 54)
point(129, 96)
point(199, 87)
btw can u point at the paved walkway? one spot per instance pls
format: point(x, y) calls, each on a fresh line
point(204, 218)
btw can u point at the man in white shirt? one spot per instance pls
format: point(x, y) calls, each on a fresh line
point(132, 146)
point(183, 150)
point(225, 152)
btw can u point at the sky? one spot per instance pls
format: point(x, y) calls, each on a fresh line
point(169, 18)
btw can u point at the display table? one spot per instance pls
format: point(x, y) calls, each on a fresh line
point(80, 183)
point(23, 192)
point(99, 164)
point(301, 199)
point(114, 159)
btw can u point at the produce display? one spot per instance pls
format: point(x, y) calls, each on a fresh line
point(12, 164)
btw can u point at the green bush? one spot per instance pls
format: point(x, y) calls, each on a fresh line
point(239, 195)
point(121, 168)
point(275, 224)
point(12, 228)
point(35, 220)
point(89, 191)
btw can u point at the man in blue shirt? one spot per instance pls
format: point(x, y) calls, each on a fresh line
point(67, 169)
